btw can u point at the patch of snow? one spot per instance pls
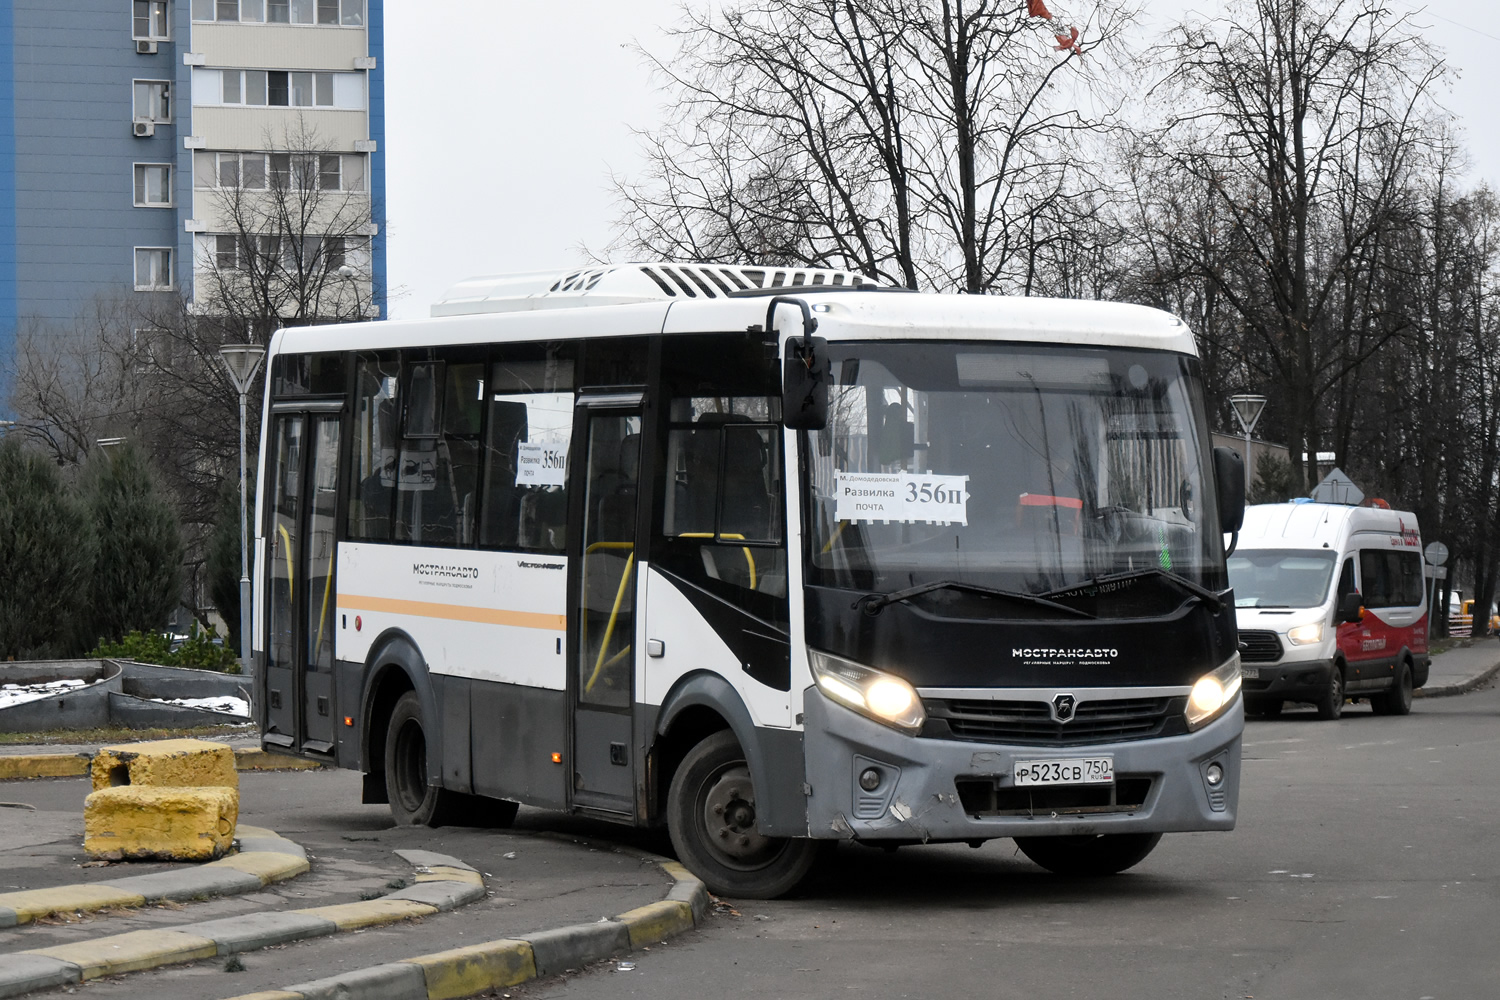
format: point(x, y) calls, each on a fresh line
point(15, 694)
point(230, 706)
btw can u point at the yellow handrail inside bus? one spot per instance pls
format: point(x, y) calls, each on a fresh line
point(835, 536)
point(736, 537)
point(614, 612)
point(323, 614)
point(288, 540)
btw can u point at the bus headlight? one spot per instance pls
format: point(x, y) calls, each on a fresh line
point(1213, 693)
point(1302, 635)
point(883, 697)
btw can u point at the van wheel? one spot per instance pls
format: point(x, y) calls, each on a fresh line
point(1089, 856)
point(1330, 703)
point(711, 819)
point(413, 801)
point(1396, 701)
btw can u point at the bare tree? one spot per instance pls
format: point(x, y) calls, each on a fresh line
point(929, 144)
point(1298, 125)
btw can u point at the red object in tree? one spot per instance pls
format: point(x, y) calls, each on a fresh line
point(1069, 41)
point(1036, 8)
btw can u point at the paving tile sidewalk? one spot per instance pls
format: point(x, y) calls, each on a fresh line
point(1462, 668)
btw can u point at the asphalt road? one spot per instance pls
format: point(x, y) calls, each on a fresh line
point(1364, 867)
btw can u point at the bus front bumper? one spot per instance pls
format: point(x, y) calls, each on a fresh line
point(952, 790)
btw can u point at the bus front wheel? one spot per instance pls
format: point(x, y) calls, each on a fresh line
point(1104, 854)
point(414, 802)
point(711, 819)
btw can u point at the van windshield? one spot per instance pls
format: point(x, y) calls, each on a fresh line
point(1280, 578)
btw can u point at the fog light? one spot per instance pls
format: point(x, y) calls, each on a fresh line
point(869, 779)
point(1214, 775)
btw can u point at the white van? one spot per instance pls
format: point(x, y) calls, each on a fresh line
point(1331, 606)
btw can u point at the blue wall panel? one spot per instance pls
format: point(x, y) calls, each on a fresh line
point(377, 159)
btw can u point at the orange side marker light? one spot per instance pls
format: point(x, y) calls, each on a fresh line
point(348, 720)
point(557, 758)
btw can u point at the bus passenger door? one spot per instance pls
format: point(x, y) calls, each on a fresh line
point(301, 548)
point(603, 623)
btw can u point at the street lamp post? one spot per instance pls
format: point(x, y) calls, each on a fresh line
point(1247, 410)
point(243, 361)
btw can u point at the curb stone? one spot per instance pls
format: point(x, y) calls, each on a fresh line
point(277, 860)
point(15, 767)
point(1459, 687)
point(464, 972)
point(133, 951)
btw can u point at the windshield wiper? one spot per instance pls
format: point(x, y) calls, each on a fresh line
point(1181, 582)
point(872, 603)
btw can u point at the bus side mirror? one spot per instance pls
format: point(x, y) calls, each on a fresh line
point(806, 376)
point(1229, 477)
point(1351, 607)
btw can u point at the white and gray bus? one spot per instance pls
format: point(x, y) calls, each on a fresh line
point(771, 557)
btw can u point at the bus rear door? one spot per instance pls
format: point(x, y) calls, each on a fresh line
point(300, 552)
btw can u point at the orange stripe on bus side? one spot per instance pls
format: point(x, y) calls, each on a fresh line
point(454, 612)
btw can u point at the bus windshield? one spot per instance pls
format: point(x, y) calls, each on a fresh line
point(1280, 578)
point(1027, 468)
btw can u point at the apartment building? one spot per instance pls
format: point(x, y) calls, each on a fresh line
point(138, 136)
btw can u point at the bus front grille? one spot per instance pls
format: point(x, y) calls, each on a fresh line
point(987, 796)
point(1030, 723)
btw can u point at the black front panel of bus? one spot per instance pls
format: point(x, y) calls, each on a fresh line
point(929, 650)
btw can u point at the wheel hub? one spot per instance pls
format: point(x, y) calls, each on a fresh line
point(729, 816)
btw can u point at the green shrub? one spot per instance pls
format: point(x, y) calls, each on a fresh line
point(199, 650)
point(137, 579)
point(46, 555)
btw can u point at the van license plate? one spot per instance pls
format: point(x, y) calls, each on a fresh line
point(1066, 771)
point(1250, 673)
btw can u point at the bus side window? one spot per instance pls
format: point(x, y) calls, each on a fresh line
point(1374, 573)
point(525, 506)
point(376, 417)
point(1346, 578)
point(724, 501)
point(437, 481)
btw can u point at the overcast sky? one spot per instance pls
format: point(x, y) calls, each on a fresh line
point(507, 118)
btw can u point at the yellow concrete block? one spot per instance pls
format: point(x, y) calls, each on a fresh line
point(268, 866)
point(166, 764)
point(463, 972)
point(175, 824)
point(131, 952)
point(442, 873)
point(255, 759)
point(29, 904)
point(656, 921)
point(371, 913)
point(43, 765)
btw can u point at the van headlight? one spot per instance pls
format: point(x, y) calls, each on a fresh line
point(1302, 635)
point(883, 697)
point(1213, 693)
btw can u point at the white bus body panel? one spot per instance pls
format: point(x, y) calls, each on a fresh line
point(491, 616)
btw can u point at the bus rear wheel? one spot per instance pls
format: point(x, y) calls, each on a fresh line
point(711, 819)
point(1091, 856)
point(414, 802)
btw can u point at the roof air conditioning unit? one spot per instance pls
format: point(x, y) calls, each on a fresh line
point(143, 129)
point(143, 48)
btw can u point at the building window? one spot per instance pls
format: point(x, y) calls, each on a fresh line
point(153, 100)
point(153, 269)
point(254, 171)
point(150, 20)
point(153, 185)
point(350, 13)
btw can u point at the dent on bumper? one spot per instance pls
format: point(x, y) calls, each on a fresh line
point(921, 801)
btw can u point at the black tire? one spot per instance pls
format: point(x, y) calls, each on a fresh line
point(1270, 707)
point(1089, 856)
point(1330, 703)
point(711, 819)
point(413, 801)
point(1396, 701)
